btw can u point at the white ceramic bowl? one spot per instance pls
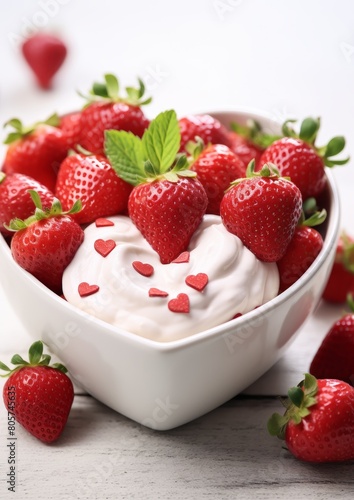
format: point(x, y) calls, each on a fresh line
point(164, 385)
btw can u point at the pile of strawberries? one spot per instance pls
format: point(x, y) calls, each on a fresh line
point(109, 158)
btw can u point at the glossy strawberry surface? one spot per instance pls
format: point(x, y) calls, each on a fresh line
point(98, 117)
point(167, 214)
point(217, 166)
point(299, 161)
point(40, 398)
point(92, 180)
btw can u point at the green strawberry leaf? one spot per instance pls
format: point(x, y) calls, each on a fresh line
point(112, 86)
point(161, 140)
point(125, 152)
point(296, 396)
point(309, 129)
point(35, 352)
point(335, 146)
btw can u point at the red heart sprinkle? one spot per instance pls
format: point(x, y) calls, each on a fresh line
point(144, 269)
point(102, 222)
point(182, 258)
point(198, 282)
point(104, 247)
point(179, 304)
point(155, 292)
point(85, 289)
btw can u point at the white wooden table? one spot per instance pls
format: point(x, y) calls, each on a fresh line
point(288, 60)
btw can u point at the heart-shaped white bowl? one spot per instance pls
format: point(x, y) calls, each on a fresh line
point(164, 385)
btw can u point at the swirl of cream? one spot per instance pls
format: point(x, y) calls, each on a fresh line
point(237, 281)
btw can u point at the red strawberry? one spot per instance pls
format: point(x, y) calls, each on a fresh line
point(263, 211)
point(45, 243)
point(297, 157)
point(318, 425)
point(106, 110)
point(168, 202)
point(70, 124)
point(249, 141)
point(335, 356)
point(167, 213)
point(44, 54)
point(216, 167)
point(91, 179)
point(15, 200)
point(39, 396)
point(208, 128)
point(301, 252)
point(341, 279)
point(36, 151)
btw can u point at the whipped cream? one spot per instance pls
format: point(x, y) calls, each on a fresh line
point(230, 280)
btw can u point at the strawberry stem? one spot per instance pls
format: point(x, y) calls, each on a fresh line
point(36, 358)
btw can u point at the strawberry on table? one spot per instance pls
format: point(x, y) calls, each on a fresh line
point(16, 201)
point(44, 54)
point(318, 425)
point(216, 167)
point(107, 110)
point(208, 128)
point(263, 210)
point(302, 250)
point(91, 179)
point(36, 151)
point(167, 202)
point(38, 395)
point(335, 356)
point(296, 156)
point(341, 280)
point(46, 242)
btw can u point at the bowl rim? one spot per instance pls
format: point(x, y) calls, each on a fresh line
point(219, 331)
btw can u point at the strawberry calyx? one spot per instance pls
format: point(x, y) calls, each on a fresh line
point(195, 148)
point(153, 157)
point(20, 131)
point(2, 177)
point(308, 133)
point(268, 170)
point(310, 215)
point(109, 91)
point(41, 213)
point(36, 358)
point(253, 133)
point(298, 403)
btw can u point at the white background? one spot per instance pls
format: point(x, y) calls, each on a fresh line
point(290, 59)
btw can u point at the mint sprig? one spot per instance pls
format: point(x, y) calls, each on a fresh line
point(154, 156)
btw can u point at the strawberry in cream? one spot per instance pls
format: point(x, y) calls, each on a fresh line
point(118, 277)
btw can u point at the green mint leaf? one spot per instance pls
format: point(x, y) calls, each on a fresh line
point(125, 152)
point(161, 141)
